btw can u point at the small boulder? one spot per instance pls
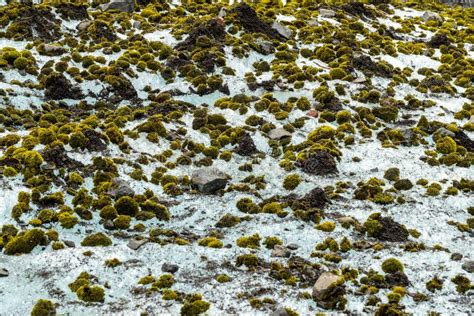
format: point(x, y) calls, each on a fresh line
point(282, 30)
point(169, 268)
point(3, 273)
point(52, 50)
point(209, 180)
point(69, 243)
point(280, 251)
point(120, 188)
point(83, 26)
point(278, 133)
point(327, 13)
point(328, 290)
point(120, 5)
point(135, 243)
point(246, 146)
point(427, 16)
point(468, 266)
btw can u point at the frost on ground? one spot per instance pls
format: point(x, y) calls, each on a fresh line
point(279, 158)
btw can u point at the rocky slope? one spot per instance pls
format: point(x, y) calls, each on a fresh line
point(281, 157)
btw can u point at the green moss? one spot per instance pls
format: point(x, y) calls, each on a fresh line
point(291, 181)
point(9, 172)
point(44, 308)
point(446, 145)
point(223, 278)
point(322, 132)
point(271, 241)
point(122, 221)
point(249, 241)
point(147, 280)
point(161, 212)
point(170, 295)
point(126, 206)
point(383, 198)
point(272, 208)
point(92, 293)
point(211, 242)
point(67, 220)
point(403, 184)
point(392, 174)
point(392, 265)
point(96, 239)
point(326, 226)
point(463, 284)
point(434, 284)
point(249, 260)
point(228, 220)
point(25, 242)
point(194, 306)
point(164, 281)
point(246, 205)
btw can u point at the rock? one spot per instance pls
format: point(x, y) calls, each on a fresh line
point(327, 13)
point(278, 133)
point(468, 266)
point(136, 243)
point(264, 47)
point(431, 16)
point(53, 50)
point(456, 256)
point(109, 224)
point(120, 188)
point(136, 24)
point(347, 220)
point(169, 268)
point(282, 30)
point(3, 273)
point(321, 163)
point(280, 311)
point(58, 87)
point(246, 146)
point(280, 251)
point(397, 279)
point(69, 243)
point(316, 198)
point(292, 246)
point(120, 5)
point(328, 290)
point(462, 139)
point(438, 40)
point(248, 18)
point(209, 180)
point(391, 231)
point(83, 26)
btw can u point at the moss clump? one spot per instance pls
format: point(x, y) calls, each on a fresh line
point(194, 305)
point(326, 226)
point(322, 132)
point(25, 242)
point(43, 308)
point(392, 174)
point(223, 278)
point(112, 263)
point(291, 181)
point(97, 239)
point(462, 283)
point(392, 265)
point(92, 293)
point(160, 211)
point(249, 260)
point(211, 242)
point(164, 281)
point(246, 205)
point(170, 295)
point(228, 220)
point(126, 206)
point(403, 184)
point(446, 145)
point(122, 222)
point(108, 212)
point(272, 208)
point(271, 241)
point(67, 220)
point(434, 284)
point(252, 242)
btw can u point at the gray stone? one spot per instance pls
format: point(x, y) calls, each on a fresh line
point(468, 266)
point(120, 188)
point(280, 311)
point(265, 47)
point(280, 251)
point(53, 49)
point(327, 13)
point(109, 224)
point(81, 27)
point(209, 180)
point(135, 243)
point(136, 24)
point(69, 243)
point(120, 5)
point(169, 268)
point(431, 16)
point(444, 132)
point(278, 133)
point(327, 290)
point(282, 29)
point(292, 246)
point(3, 273)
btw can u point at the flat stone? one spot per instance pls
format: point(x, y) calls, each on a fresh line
point(468, 266)
point(292, 246)
point(431, 16)
point(120, 188)
point(280, 251)
point(327, 13)
point(136, 243)
point(120, 5)
point(278, 133)
point(4, 273)
point(209, 180)
point(69, 243)
point(282, 29)
point(169, 268)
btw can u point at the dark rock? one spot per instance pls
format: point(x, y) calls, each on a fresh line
point(357, 8)
point(212, 29)
point(209, 180)
point(58, 87)
point(120, 5)
point(249, 20)
point(292, 246)
point(95, 141)
point(109, 224)
point(462, 139)
point(246, 146)
point(320, 163)
point(72, 11)
point(69, 243)
point(438, 40)
point(280, 251)
point(37, 23)
point(4, 273)
point(391, 231)
point(456, 256)
point(370, 68)
point(169, 268)
point(468, 266)
point(316, 198)
point(58, 157)
point(397, 279)
point(120, 188)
